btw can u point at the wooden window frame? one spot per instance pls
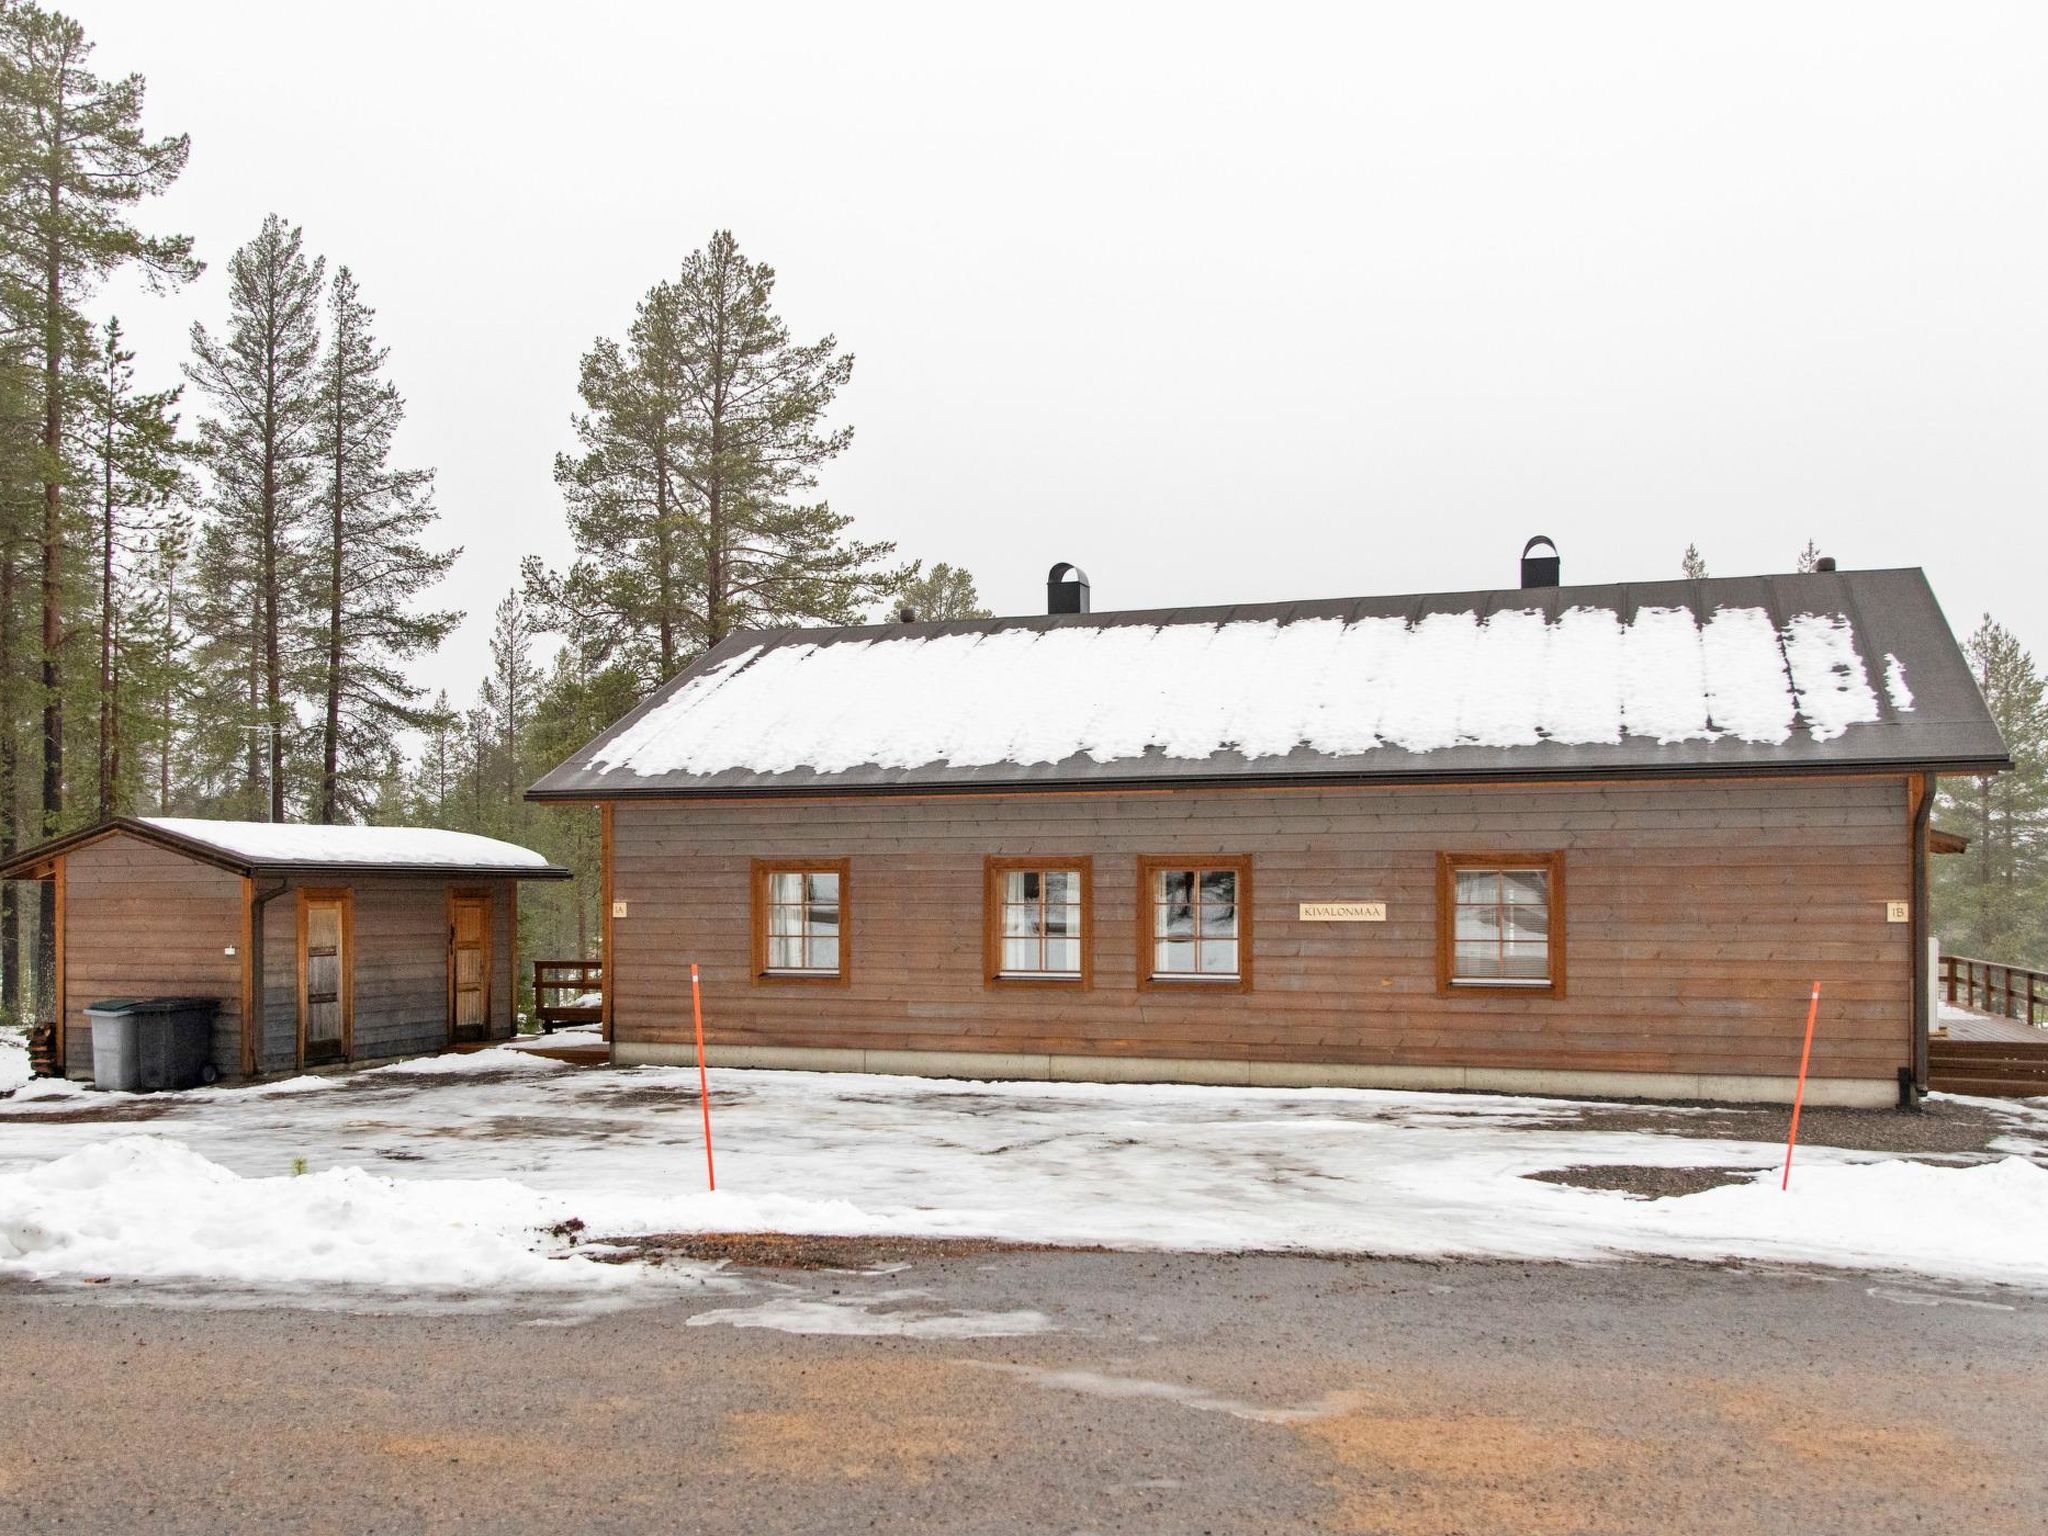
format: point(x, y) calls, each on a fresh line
point(1551, 861)
point(489, 897)
point(994, 869)
point(762, 870)
point(1151, 864)
point(345, 897)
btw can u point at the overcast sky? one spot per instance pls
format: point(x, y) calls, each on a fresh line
point(1252, 304)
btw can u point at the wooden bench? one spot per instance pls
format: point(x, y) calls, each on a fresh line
point(577, 979)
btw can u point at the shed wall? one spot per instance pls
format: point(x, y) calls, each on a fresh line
point(1699, 916)
point(400, 966)
point(141, 921)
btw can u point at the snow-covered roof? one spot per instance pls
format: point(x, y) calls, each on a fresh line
point(1834, 669)
point(268, 843)
point(278, 847)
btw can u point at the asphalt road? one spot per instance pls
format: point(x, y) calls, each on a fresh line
point(1168, 1394)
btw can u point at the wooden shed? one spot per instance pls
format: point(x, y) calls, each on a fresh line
point(323, 944)
point(1588, 840)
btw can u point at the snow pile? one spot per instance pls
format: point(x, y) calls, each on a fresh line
point(1261, 688)
point(496, 1058)
point(277, 842)
point(1989, 1222)
point(13, 1060)
point(147, 1208)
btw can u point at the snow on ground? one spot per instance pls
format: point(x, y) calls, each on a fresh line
point(13, 1059)
point(451, 1173)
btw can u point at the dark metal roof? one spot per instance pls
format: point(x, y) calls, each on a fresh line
point(206, 852)
point(1890, 615)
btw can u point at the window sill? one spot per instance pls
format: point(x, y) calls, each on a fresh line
point(813, 977)
point(1454, 987)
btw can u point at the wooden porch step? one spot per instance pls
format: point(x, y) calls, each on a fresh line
point(1988, 1087)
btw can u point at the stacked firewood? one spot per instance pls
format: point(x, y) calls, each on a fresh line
point(42, 1051)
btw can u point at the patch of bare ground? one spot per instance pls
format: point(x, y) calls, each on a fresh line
point(1940, 1128)
point(796, 1250)
point(1643, 1181)
point(111, 1111)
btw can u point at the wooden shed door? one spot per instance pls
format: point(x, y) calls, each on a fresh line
point(323, 978)
point(469, 968)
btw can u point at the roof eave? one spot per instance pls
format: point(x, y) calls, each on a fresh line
point(301, 869)
point(595, 795)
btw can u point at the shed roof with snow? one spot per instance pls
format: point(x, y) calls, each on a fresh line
point(289, 848)
point(1831, 671)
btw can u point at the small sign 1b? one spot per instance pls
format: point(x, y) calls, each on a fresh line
point(1898, 912)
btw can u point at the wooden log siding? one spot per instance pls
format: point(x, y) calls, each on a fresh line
point(141, 921)
point(1700, 915)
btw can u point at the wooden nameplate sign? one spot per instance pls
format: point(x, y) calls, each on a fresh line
point(1343, 911)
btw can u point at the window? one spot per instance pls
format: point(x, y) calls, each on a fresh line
point(1500, 921)
point(800, 919)
point(1195, 921)
point(1040, 921)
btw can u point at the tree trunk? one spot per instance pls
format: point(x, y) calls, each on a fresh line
point(53, 586)
point(330, 757)
point(108, 747)
point(665, 560)
point(163, 791)
point(10, 810)
point(268, 640)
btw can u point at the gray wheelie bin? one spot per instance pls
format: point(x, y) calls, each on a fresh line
point(142, 1044)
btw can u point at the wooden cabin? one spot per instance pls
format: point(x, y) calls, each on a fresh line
point(1596, 840)
point(323, 944)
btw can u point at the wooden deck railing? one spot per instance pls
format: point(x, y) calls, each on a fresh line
point(2003, 991)
point(575, 978)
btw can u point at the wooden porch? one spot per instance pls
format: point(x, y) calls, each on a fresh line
point(1989, 1040)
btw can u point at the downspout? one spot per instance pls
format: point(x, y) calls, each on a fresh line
point(254, 1015)
point(1910, 1091)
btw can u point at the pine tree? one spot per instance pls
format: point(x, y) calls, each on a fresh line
point(702, 440)
point(263, 440)
point(1992, 903)
point(947, 592)
point(169, 680)
point(138, 465)
point(78, 162)
point(630, 590)
point(1809, 559)
point(1694, 563)
point(368, 563)
point(508, 697)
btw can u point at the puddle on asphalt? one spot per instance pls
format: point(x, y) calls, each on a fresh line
point(1140, 1389)
point(885, 1314)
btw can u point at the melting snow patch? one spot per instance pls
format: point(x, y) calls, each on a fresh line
point(13, 1060)
point(497, 1058)
point(1895, 683)
point(859, 1316)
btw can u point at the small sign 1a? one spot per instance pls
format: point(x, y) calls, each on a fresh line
point(1343, 911)
point(618, 909)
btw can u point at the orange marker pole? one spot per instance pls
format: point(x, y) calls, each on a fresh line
point(1799, 1093)
point(704, 1079)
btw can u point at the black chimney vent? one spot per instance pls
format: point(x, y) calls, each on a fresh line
point(1824, 563)
point(1066, 589)
point(1540, 570)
